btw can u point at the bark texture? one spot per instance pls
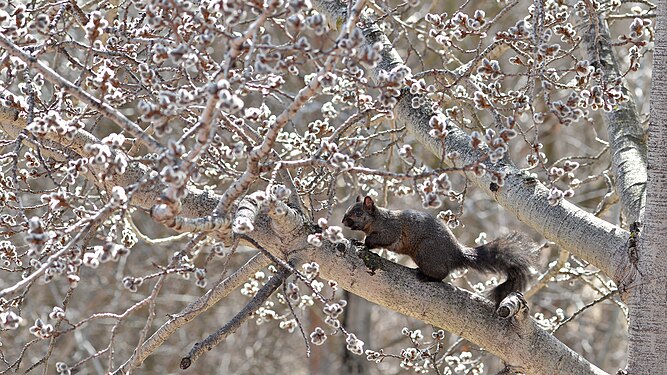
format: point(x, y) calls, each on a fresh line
point(626, 135)
point(648, 299)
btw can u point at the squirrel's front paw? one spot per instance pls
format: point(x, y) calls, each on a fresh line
point(356, 243)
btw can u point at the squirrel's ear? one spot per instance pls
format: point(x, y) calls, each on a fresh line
point(358, 198)
point(368, 203)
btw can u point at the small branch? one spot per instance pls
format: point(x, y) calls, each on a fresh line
point(296, 318)
point(262, 151)
point(153, 241)
point(553, 271)
point(104, 108)
point(235, 47)
point(221, 334)
point(581, 310)
point(90, 223)
point(626, 135)
point(202, 304)
point(512, 305)
point(151, 310)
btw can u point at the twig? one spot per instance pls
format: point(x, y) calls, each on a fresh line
point(221, 334)
point(108, 111)
point(581, 310)
point(545, 278)
point(98, 217)
point(203, 303)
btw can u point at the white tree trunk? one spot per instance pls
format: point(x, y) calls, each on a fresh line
point(648, 295)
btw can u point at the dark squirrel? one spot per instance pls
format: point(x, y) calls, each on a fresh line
point(435, 250)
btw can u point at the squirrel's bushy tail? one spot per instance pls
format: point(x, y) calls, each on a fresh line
point(511, 255)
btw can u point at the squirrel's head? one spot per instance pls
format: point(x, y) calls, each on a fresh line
point(361, 214)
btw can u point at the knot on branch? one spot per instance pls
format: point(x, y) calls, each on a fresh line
point(284, 219)
point(512, 305)
point(185, 363)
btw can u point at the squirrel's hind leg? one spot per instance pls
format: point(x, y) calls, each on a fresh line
point(421, 276)
point(432, 263)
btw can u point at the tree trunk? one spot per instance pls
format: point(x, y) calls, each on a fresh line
point(648, 300)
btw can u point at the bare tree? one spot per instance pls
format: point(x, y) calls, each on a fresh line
point(150, 143)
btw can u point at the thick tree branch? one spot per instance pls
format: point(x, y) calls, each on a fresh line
point(525, 345)
point(626, 135)
point(519, 342)
point(599, 242)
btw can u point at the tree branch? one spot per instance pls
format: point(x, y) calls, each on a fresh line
point(202, 304)
point(626, 135)
point(104, 108)
point(221, 334)
point(519, 342)
point(596, 240)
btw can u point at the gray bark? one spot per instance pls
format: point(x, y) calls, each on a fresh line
point(626, 135)
point(648, 300)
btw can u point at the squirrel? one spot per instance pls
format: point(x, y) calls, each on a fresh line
point(435, 250)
